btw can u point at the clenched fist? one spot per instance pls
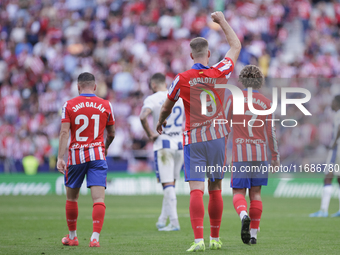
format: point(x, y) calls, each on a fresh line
point(217, 17)
point(159, 127)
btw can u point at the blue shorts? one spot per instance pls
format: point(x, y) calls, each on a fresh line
point(249, 174)
point(95, 172)
point(205, 159)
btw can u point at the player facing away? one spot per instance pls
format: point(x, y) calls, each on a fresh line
point(86, 116)
point(333, 158)
point(204, 142)
point(250, 150)
point(168, 149)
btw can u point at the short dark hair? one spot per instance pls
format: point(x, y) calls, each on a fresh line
point(337, 99)
point(86, 79)
point(251, 76)
point(158, 78)
point(199, 47)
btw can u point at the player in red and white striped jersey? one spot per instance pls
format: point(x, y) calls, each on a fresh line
point(250, 136)
point(86, 116)
point(250, 143)
point(204, 141)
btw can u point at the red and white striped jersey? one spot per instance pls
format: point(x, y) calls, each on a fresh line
point(88, 116)
point(252, 132)
point(202, 101)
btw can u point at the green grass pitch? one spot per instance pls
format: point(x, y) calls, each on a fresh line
point(36, 224)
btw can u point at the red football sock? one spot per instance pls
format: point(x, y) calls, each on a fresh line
point(197, 212)
point(215, 209)
point(255, 212)
point(71, 215)
point(98, 214)
point(240, 203)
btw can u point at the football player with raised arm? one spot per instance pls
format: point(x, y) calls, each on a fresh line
point(250, 152)
point(86, 116)
point(204, 142)
point(168, 149)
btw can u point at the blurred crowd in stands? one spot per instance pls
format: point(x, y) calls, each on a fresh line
point(45, 45)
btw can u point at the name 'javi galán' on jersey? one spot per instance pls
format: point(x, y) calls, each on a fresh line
point(88, 116)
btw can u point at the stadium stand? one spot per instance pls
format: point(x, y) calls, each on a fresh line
point(45, 45)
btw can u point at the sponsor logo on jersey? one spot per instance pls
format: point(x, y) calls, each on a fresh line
point(254, 141)
point(239, 140)
point(172, 133)
point(75, 145)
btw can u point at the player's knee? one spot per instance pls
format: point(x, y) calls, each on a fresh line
point(196, 185)
point(97, 198)
point(328, 181)
point(255, 193)
point(214, 185)
point(72, 197)
point(255, 196)
point(72, 194)
point(98, 194)
point(239, 191)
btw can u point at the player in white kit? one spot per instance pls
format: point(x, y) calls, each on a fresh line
point(333, 161)
point(168, 148)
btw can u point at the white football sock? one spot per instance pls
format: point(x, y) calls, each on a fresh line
point(253, 232)
point(95, 235)
point(198, 240)
point(217, 239)
point(72, 234)
point(242, 214)
point(171, 204)
point(163, 217)
point(326, 197)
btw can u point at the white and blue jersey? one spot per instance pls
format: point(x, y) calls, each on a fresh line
point(168, 147)
point(172, 132)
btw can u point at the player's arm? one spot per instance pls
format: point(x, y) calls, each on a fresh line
point(234, 42)
point(63, 139)
point(144, 120)
point(111, 131)
point(272, 141)
point(165, 112)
